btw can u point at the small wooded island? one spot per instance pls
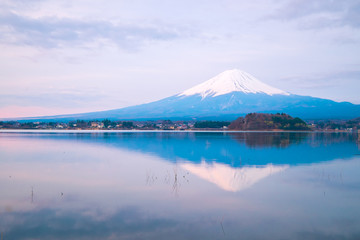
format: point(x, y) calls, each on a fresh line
point(263, 121)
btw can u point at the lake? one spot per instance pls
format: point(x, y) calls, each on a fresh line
point(179, 185)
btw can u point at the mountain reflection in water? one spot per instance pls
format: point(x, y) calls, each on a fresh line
point(232, 148)
point(179, 185)
point(231, 160)
point(230, 178)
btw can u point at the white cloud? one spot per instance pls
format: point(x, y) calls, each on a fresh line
point(51, 32)
point(320, 13)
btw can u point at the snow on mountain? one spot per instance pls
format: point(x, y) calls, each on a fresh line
point(232, 81)
point(229, 178)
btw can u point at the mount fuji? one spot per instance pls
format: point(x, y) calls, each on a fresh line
point(230, 94)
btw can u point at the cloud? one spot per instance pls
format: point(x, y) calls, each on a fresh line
point(53, 32)
point(52, 99)
point(338, 86)
point(320, 13)
point(329, 80)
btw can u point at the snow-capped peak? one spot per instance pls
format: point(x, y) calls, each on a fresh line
point(231, 81)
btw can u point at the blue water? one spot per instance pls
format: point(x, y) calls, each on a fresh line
point(179, 185)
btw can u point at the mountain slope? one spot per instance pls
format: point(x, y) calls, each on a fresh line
point(227, 96)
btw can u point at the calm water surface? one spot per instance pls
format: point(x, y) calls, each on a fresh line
point(179, 185)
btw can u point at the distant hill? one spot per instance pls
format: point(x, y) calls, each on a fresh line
point(224, 97)
point(262, 121)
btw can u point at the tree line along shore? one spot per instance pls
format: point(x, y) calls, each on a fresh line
point(252, 121)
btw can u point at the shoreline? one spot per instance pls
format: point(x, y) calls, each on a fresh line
point(159, 131)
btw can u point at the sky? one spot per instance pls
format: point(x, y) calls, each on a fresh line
point(65, 56)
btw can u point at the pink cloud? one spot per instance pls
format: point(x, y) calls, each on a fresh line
point(32, 111)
